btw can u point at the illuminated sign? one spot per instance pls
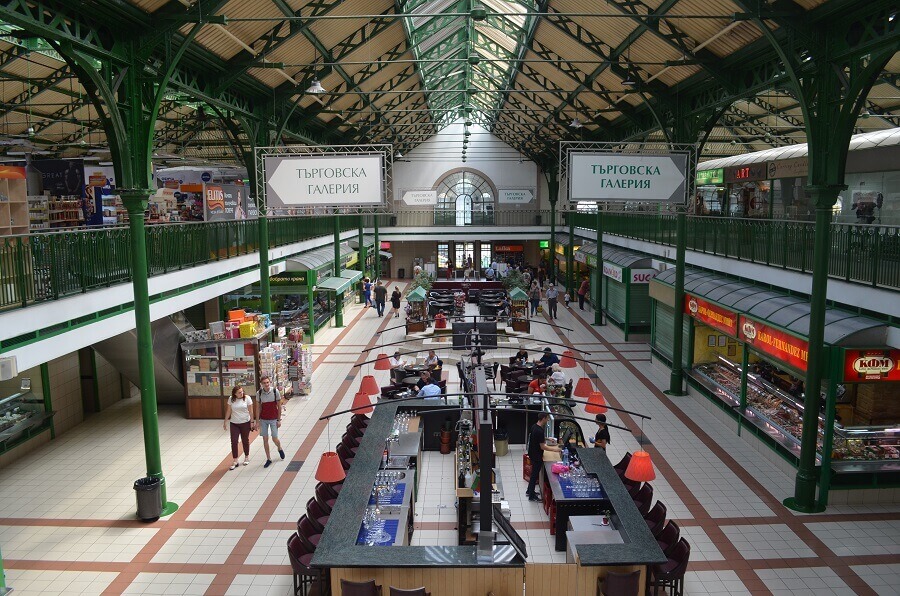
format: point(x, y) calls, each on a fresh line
point(716, 176)
point(871, 365)
point(710, 314)
point(785, 347)
point(544, 244)
point(508, 248)
point(749, 173)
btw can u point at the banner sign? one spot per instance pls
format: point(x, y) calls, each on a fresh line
point(508, 248)
point(716, 176)
point(642, 276)
point(710, 314)
point(788, 168)
point(633, 177)
point(612, 271)
point(785, 347)
point(323, 180)
point(871, 365)
point(420, 197)
point(515, 196)
point(580, 257)
point(225, 202)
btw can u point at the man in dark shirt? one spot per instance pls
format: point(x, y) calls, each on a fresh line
point(380, 297)
point(601, 439)
point(424, 380)
point(549, 358)
point(536, 447)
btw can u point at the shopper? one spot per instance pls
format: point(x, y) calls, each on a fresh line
point(367, 292)
point(552, 296)
point(567, 298)
point(601, 439)
point(380, 296)
point(549, 358)
point(534, 296)
point(537, 444)
point(395, 301)
point(239, 412)
point(268, 416)
point(582, 292)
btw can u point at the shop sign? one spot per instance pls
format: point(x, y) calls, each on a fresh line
point(788, 168)
point(560, 248)
point(591, 260)
point(612, 271)
point(642, 276)
point(323, 180)
point(716, 176)
point(710, 314)
point(871, 365)
point(226, 202)
point(420, 197)
point(515, 196)
point(748, 173)
point(294, 278)
point(581, 257)
point(543, 244)
point(385, 245)
point(785, 347)
point(508, 248)
point(632, 177)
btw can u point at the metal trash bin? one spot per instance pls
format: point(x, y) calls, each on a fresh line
point(148, 492)
point(401, 273)
point(501, 444)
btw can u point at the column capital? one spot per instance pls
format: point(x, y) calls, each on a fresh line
point(824, 195)
point(135, 199)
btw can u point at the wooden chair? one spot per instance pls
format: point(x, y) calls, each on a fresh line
point(368, 588)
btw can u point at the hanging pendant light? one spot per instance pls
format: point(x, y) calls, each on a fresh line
point(361, 400)
point(596, 403)
point(640, 468)
point(382, 362)
point(316, 87)
point(568, 359)
point(583, 388)
point(369, 385)
point(330, 469)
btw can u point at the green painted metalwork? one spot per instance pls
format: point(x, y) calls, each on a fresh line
point(48, 399)
point(676, 378)
point(339, 297)
point(377, 274)
point(598, 270)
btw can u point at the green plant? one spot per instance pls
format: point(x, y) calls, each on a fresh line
point(423, 280)
point(515, 279)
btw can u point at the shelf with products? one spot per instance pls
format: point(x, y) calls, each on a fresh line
point(22, 416)
point(38, 213)
point(779, 415)
point(13, 207)
point(64, 211)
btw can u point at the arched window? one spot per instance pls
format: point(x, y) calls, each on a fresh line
point(463, 199)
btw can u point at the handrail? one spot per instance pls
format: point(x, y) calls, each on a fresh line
point(860, 253)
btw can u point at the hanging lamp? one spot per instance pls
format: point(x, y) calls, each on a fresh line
point(382, 362)
point(369, 386)
point(596, 403)
point(583, 388)
point(640, 468)
point(568, 359)
point(361, 400)
point(330, 469)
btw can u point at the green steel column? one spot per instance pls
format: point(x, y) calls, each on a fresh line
point(135, 201)
point(265, 293)
point(804, 499)
point(598, 271)
point(377, 274)
point(570, 255)
point(836, 359)
point(2, 576)
point(553, 188)
point(745, 363)
point(311, 304)
point(48, 399)
point(362, 247)
point(338, 298)
point(676, 378)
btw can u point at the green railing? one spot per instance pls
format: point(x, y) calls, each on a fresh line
point(49, 266)
point(860, 253)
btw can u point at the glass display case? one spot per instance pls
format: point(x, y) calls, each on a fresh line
point(21, 416)
point(779, 415)
point(212, 368)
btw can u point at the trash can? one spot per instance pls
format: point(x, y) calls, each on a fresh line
point(401, 273)
point(149, 498)
point(501, 443)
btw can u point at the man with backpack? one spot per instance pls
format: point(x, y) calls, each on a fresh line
point(269, 416)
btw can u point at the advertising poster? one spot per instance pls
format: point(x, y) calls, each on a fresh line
point(226, 202)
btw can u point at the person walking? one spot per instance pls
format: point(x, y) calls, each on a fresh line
point(537, 444)
point(367, 292)
point(380, 296)
point(582, 292)
point(239, 412)
point(395, 301)
point(268, 416)
point(601, 439)
point(534, 296)
point(552, 296)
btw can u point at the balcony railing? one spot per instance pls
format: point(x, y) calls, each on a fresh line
point(860, 253)
point(451, 218)
point(53, 265)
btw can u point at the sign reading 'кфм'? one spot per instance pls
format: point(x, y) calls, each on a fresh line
point(316, 180)
point(630, 177)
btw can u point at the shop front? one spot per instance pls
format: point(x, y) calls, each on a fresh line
point(748, 353)
point(509, 253)
point(626, 285)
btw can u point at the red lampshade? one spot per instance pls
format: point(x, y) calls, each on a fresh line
point(330, 469)
point(583, 387)
point(596, 403)
point(382, 362)
point(640, 468)
point(369, 385)
point(362, 399)
point(568, 360)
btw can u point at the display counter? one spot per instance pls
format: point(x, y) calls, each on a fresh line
point(22, 415)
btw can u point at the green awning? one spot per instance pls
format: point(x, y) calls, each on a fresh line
point(313, 260)
point(518, 294)
point(417, 295)
point(340, 283)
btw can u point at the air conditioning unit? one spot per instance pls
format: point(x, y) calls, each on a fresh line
point(8, 369)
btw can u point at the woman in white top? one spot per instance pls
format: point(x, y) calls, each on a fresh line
point(558, 377)
point(239, 411)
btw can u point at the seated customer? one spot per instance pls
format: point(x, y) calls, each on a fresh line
point(424, 380)
point(549, 358)
point(440, 320)
point(521, 357)
point(396, 361)
point(557, 377)
point(429, 391)
point(538, 385)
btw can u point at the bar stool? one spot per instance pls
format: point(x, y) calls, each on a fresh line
point(643, 499)
point(305, 576)
point(324, 499)
point(668, 537)
point(308, 535)
point(317, 516)
point(670, 575)
point(656, 518)
point(345, 455)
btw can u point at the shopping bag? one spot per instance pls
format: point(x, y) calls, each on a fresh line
point(526, 467)
point(540, 308)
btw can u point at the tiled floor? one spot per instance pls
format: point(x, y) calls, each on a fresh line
point(67, 519)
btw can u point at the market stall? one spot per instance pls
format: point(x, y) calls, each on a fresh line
point(518, 310)
point(416, 314)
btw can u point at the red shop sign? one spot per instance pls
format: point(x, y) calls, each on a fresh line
point(714, 316)
point(787, 348)
point(509, 248)
point(871, 365)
